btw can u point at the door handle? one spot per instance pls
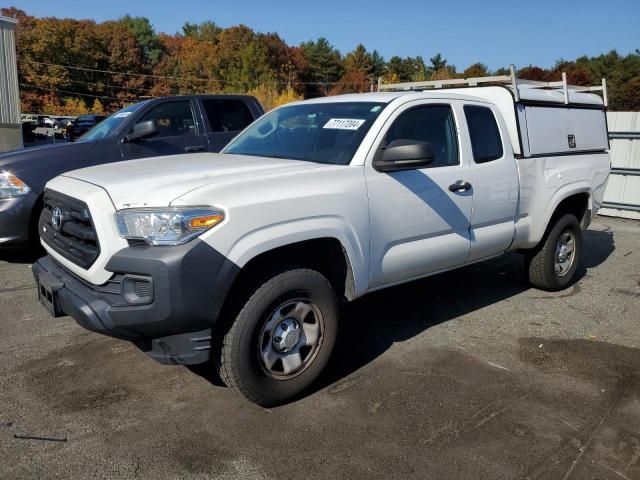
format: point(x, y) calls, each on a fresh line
point(460, 186)
point(195, 148)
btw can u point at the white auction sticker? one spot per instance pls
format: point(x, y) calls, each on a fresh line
point(344, 124)
point(122, 115)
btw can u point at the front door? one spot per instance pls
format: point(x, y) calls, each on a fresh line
point(178, 132)
point(418, 224)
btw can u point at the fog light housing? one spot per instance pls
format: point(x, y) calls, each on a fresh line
point(137, 290)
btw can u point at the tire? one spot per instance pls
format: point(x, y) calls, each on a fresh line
point(256, 337)
point(545, 268)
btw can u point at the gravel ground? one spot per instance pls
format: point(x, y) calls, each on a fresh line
point(469, 374)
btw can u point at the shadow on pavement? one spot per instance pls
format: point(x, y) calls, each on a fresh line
point(372, 324)
point(27, 255)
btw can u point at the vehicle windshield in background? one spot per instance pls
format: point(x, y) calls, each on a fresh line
point(315, 132)
point(84, 119)
point(109, 125)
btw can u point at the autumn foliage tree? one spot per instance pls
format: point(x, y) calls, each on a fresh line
point(69, 66)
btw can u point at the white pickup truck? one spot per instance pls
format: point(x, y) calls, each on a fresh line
point(244, 257)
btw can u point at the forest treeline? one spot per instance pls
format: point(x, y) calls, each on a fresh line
point(69, 66)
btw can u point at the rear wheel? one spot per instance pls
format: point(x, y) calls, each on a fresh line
point(553, 264)
point(282, 338)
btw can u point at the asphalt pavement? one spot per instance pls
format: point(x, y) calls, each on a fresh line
point(468, 374)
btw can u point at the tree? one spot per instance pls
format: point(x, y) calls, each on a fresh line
point(533, 73)
point(118, 50)
point(192, 62)
point(97, 108)
point(408, 69)
point(353, 81)
point(287, 64)
point(625, 98)
point(419, 70)
point(146, 36)
point(325, 65)
point(270, 98)
point(378, 65)
point(438, 62)
point(241, 61)
point(359, 59)
point(444, 73)
point(399, 69)
point(476, 70)
point(63, 59)
point(73, 107)
point(206, 31)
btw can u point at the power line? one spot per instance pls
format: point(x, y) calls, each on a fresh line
point(106, 71)
point(166, 77)
point(144, 75)
point(101, 85)
point(68, 92)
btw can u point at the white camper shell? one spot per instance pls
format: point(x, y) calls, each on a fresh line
point(543, 118)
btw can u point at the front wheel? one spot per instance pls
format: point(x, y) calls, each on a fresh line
point(282, 338)
point(553, 264)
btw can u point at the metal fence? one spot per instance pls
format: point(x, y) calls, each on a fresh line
point(10, 127)
point(622, 197)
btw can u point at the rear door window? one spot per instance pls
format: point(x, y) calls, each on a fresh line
point(485, 135)
point(227, 115)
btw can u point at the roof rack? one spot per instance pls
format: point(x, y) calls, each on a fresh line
point(508, 80)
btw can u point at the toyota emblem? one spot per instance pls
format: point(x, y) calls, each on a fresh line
point(57, 218)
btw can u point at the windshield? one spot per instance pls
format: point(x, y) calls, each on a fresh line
point(108, 126)
point(315, 132)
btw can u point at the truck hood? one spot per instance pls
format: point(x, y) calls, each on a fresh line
point(158, 181)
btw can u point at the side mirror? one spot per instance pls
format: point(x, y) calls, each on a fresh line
point(142, 130)
point(405, 155)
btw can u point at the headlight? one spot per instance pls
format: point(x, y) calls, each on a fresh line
point(167, 226)
point(11, 186)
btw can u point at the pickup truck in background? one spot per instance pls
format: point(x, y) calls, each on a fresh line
point(243, 257)
point(80, 126)
point(160, 126)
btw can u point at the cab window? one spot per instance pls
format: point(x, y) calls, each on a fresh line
point(227, 115)
point(434, 124)
point(174, 119)
point(484, 133)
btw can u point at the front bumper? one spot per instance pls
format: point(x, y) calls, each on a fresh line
point(15, 215)
point(185, 287)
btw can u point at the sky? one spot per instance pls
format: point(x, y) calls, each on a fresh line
point(494, 32)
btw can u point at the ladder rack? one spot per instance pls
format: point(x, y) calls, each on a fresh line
point(508, 80)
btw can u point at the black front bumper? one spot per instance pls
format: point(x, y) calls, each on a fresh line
point(185, 287)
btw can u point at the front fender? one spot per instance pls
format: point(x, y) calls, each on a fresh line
point(270, 237)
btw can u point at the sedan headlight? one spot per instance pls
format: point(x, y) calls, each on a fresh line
point(11, 186)
point(167, 226)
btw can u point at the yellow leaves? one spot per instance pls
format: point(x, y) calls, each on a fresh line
point(74, 107)
point(287, 96)
point(97, 108)
point(442, 74)
point(270, 98)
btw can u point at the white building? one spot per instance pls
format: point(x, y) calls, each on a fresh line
point(10, 126)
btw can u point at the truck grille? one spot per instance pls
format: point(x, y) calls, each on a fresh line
point(65, 225)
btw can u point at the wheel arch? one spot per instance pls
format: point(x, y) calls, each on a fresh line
point(533, 229)
point(328, 255)
point(577, 202)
